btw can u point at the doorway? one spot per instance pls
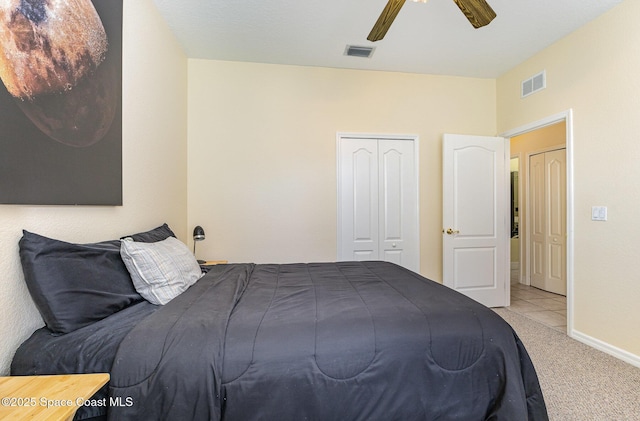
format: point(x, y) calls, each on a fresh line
point(562, 125)
point(516, 189)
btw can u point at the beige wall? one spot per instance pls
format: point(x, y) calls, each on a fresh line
point(594, 71)
point(154, 170)
point(262, 151)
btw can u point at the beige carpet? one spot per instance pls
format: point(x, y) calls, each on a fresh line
point(578, 382)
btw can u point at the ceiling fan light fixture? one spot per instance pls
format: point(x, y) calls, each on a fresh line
point(477, 12)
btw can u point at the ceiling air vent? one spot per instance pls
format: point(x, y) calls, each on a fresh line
point(356, 51)
point(534, 84)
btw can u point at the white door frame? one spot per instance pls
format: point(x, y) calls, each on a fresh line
point(409, 137)
point(567, 117)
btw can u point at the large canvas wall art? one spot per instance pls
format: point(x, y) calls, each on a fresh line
point(61, 102)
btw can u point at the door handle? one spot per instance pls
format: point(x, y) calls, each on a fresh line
point(451, 231)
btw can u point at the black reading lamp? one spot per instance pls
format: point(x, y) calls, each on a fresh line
point(198, 235)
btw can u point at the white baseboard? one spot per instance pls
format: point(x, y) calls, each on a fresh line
point(607, 348)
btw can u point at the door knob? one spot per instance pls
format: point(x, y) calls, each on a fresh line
point(393, 245)
point(451, 231)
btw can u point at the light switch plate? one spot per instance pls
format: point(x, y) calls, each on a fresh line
point(598, 213)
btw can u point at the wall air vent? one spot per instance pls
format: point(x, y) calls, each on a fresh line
point(534, 84)
point(357, 51)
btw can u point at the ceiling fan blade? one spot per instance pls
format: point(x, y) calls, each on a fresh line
point(478, 12)
point(385, 20)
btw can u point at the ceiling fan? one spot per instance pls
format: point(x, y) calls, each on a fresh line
point(478, 12)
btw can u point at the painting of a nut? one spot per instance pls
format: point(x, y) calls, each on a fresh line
point(52, 61)
point(61, 102)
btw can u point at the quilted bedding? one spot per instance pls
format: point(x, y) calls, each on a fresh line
point(325, 341)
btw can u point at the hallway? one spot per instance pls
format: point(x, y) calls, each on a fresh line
point(545, 307)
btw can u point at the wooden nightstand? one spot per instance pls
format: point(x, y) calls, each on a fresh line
point(214, 262)
point(207, 264)
point(47, 397)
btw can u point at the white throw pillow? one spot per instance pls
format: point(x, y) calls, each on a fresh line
point(162, 270)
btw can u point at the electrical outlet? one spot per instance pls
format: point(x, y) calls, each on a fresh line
point(598, 213)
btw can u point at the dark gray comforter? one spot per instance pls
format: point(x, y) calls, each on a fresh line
point(330, 341)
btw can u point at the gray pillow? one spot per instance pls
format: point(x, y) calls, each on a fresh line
point(162, 270)
point(151, 236)
point(74, 285)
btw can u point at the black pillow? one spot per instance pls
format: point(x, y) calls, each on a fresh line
point(74, 285)
point(157, 234)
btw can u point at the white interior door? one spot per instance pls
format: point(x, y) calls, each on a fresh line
point(476, 223)
point(538, 259)
point(378, 201)
point(398, 197)
point(547, 185)
point(358, 200)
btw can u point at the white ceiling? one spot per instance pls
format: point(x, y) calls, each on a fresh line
point(432, 38)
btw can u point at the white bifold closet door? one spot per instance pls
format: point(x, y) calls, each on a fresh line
point(548, 207)
point(378, 201)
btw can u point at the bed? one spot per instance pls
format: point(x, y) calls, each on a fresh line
point(316, 341)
